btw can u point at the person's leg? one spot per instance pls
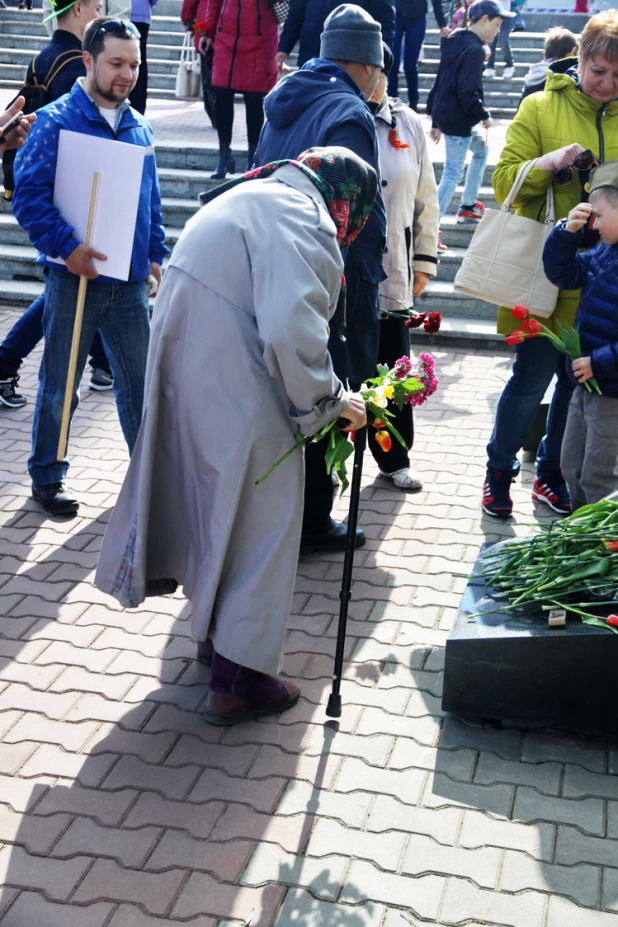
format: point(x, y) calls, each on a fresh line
point(394, 343)
point(476, 169)
point(393, 79)
point(58, 318)
point(574, 448)
point(491, 64)
point(254, 111)
point(224, 114)
point(454, 163)
point(319, 490)
point(548, 454)
point(599, 476)
point(536, 362)
point(22, 339)
point(505, 42)
point(139, 94)
point(125, 329)
point(414, 36)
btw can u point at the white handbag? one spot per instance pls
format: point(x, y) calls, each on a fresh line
point(188, 82)
point(504, 261)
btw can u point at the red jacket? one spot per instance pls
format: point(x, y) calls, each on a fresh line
point(194, 11)
point(246, 36)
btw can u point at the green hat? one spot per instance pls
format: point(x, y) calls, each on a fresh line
point(605, 175)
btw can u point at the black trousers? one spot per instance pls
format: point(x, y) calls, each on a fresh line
point(394, 343)
point(139, 94)
point(224, 115)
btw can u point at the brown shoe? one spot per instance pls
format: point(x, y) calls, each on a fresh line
point(270, 695)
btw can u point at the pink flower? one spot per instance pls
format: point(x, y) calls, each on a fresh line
point(402, 368)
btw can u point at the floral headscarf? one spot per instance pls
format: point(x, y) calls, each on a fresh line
point(347, 184)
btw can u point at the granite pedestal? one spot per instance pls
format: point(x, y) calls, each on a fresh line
point(516, 668)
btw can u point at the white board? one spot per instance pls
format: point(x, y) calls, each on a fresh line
point(120, 167)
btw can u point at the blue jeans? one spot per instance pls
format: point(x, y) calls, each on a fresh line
point(120, 313)
point(457, 147)
point(504, 38)
point(26, 334)
point(536, 362)
point(411, 32)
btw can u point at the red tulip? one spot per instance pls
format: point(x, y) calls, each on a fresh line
point(378, 424)
point(612, 621)
point(611, 545)
point(384, 440)
point(532, 327)
point(520, 312)
point(516, 338)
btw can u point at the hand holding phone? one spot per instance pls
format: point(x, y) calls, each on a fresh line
point(11, 125)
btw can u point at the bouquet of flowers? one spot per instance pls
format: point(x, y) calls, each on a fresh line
point(404, 383)
point(567, 341)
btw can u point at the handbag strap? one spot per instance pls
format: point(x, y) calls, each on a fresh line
point(522, 173)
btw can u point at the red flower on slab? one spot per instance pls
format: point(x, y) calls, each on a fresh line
point(516, 338)
point(432, 323)
point(520, 312)
point(384, 440)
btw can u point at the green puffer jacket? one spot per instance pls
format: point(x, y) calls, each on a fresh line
point(557, 116)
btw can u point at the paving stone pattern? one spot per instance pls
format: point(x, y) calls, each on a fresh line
point(120, 807)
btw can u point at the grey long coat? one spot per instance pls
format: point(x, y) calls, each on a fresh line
point(237, 363)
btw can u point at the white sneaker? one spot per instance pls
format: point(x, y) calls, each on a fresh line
point(508, 73)
point(489, 72)
point(406, 479)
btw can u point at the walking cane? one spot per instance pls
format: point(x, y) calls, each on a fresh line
point(77, 330)
point(333, 709)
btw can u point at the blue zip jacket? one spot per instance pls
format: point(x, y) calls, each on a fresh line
point(596, 273)
point(35, 173)
point(305, 24)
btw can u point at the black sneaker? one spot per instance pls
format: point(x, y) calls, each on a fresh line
point(496, 493)
point(551, 488)
point(101, 380)
point(8, 396)
point(55, 499)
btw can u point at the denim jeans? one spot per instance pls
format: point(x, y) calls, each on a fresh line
point(504, 38)
point(457, 147)
point(536, 362)
point(26, 334)
point(411, 32)
point(120, 313)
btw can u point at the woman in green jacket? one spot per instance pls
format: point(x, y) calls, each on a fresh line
point(577, 110)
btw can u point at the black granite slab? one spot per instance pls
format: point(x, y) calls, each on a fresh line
point(516, 668)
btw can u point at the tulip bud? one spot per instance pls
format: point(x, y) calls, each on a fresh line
point(520, 312)
point(516, 338)
point(384, 440)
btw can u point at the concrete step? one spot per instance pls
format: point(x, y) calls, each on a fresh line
point(456, 331)
point(440, 296)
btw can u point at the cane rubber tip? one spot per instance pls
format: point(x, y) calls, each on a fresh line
point(333, 709)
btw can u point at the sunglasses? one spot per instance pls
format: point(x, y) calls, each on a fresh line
point(117, 27)
point(584, 161)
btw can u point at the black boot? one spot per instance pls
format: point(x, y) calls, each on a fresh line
point(250, 158)
point(226, 164)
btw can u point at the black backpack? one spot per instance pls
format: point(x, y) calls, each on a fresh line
point(36, 94)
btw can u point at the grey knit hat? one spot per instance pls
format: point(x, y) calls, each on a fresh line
point(351, 34)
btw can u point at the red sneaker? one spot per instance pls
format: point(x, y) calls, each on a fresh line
point(471, 214)
point(553, 491)
point(441, 246)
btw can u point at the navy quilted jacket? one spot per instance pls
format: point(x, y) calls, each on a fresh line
point(596, 272)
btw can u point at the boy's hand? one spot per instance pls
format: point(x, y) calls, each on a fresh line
point(578, 217)
point(582, 368)
point(435, 135)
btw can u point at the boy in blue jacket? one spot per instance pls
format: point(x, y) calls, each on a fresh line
point(456, 106)
point(589, 457)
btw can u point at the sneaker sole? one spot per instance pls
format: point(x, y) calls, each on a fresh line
point(13, 405)
point(539, 498)
point(412, 487)
point(100, 389)
point(497, 514)
point(220, 721)
point(467, 220)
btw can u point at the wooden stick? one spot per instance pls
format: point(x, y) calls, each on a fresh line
point(77, 331)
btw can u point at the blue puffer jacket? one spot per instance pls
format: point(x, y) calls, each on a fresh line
point(305, 23)
point(596, 272)
point(35, 172)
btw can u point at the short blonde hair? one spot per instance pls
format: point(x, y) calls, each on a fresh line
point(600, 37)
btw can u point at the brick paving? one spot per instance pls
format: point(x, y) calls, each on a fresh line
point(120, 807)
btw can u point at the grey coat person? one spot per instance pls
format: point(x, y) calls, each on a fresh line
point(238, 364)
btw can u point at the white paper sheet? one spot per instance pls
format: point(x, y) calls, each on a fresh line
point(120, 167)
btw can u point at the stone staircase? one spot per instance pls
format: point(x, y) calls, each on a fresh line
point(184, 169)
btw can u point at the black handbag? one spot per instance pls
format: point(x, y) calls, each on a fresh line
point(280, 8)
point(208, 90)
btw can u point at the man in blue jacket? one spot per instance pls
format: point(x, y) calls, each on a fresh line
point(97, 105)
point(324, 103)
point(305, 22)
